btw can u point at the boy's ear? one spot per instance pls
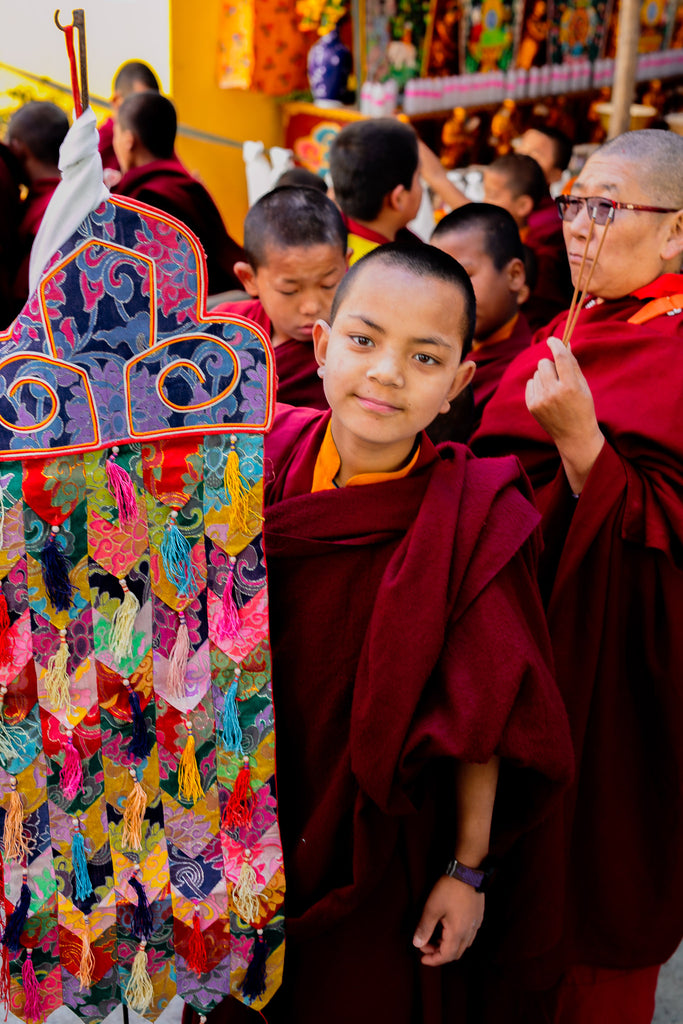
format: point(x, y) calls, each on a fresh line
point(463, 377)
point(523, 207)
point(394, 199)
point(516, 275)
point(321, 336)
point(246, 275)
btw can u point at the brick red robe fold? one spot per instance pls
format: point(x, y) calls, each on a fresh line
point(613, 576)
point(298, 382)
point(492, 361)
point(166, 185)
point(33, 210)
point(407, 634)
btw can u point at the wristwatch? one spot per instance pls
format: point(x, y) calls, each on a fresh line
point(478, 878)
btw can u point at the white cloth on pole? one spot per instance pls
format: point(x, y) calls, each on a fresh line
point(80, 191)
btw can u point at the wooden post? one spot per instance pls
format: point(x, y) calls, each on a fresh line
point(625, 67)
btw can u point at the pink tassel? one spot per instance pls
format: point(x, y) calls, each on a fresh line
point(121, 487)
point(231, 619)
point(71, 775)
point(177, 667)
point(32, 1007)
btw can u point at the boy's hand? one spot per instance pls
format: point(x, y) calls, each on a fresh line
point(456, 911)
point(559, 398)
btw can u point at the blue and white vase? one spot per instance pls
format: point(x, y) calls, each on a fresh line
point(329, 66)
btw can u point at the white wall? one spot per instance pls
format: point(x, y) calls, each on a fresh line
point(116, 31)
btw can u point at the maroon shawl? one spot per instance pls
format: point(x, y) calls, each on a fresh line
point(166, 185)
point(492, 361)
point(407, 635)
point(613, 575)
point(298, 382)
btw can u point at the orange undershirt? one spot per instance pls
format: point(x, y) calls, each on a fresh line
point(502, 334)
point(328, 465)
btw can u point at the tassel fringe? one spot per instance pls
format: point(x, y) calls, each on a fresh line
point(123, 624)
point(239, 809)
point(83, 884)
point(236, 490)
point(56, 677)
point(231, 732)
point(231, 620)
point(122, 490)
point(8, 751)
point(197, 959)
point(189, 779)
point(133, 814)
point(32, 1007)
point(176, 555)
point(254, 981)
point(177, 666)
point(71, 775)
point(139, 990)
point(15, 922)
point(87, 962)
point(56, 568)
point(14, 839)
point(244, 895)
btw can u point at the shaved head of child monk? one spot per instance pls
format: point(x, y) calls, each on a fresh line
point(411, 677)
point(596, 422)
point(295, 248)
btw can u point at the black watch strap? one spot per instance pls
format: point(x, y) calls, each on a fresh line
point(478, 878)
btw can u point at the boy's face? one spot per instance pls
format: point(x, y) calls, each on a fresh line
point(391, 360)
point(542, 148)
point(498, 191)
point(296, 286)
point(496, 291)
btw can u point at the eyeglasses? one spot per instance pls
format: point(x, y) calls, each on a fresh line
point(600, 210)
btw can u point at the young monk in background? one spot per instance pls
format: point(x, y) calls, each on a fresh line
point(144, 140)
point(485, 240)
point(411, 666)
point(598, 429)
point(35, 134)
point(295, 247)
point(133, 76)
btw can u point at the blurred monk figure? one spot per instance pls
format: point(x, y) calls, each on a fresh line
point(133, 76)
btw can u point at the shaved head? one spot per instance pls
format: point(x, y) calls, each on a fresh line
point(134, 76)
point(657, 158)
point(41, 127)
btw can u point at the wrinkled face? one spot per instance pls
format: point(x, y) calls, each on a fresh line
point(296, 287)
point(497, 191)
point(637, 246)
point(542, 149)
point(495, 290)
point(391, 360)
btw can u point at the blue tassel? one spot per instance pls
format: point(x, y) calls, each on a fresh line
point(142, 915)
point(231, 732)
point(254, 981)
point(140, 744)
point(56, 569)
point(16, 920)
point(176, 554)
point(83, 884)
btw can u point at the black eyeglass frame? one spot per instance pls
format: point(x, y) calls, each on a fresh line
point(595, 203)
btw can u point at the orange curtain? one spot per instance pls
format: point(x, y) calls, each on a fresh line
point(261, 47)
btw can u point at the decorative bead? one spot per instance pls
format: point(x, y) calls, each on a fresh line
point(133, 774)
point(233, 439)
point(115, 449)
point(62, 632)
point(174, 513)
point(54, 529)
point(237, 672)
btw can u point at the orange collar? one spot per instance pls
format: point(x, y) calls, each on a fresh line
point(502, 334)
point(328, 465)
point(657, 307)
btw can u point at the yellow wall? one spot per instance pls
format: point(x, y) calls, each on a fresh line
point(231, 113)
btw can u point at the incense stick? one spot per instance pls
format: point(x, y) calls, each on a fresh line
point(571, 324)
point(577, 286)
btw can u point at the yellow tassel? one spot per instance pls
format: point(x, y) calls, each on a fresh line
point(243, 895)
point(133, 813)
point(189, 780)
point(56, 678)
point(235, 490)
point(14, 839)
point(87, 964)
point(139, 990)
point(123, 624)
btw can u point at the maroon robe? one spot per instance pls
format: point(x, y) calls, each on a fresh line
point(298, 382)
point(32, 212)
point(407, 635)
point(492, 361)
point(166, 185)
point(106, 145)
point(553, 290)
point(614, 584)
point(10, 215)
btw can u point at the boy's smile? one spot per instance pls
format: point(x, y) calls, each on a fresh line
point(391, 364)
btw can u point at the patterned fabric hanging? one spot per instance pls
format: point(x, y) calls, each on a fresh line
point(127, 419)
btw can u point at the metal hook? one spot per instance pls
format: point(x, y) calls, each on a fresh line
point(62, 28)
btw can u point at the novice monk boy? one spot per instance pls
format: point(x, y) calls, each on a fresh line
point(485, 240)
point(410, 656)
point(295, 247)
